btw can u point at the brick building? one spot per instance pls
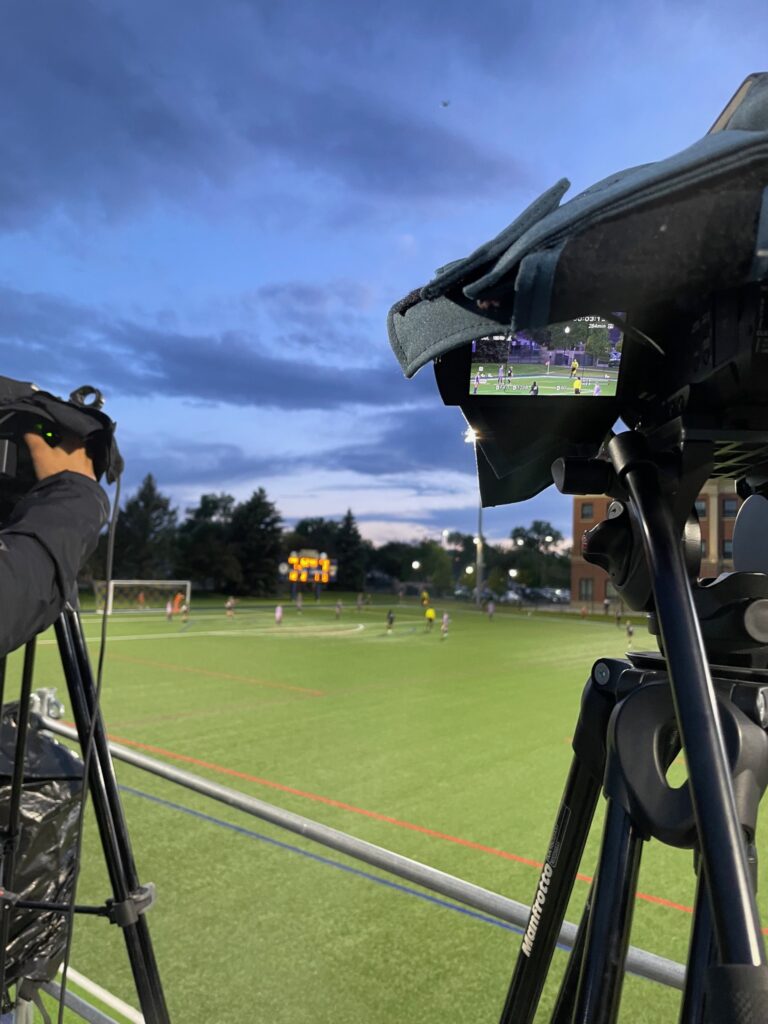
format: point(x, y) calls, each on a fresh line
point(716, 505)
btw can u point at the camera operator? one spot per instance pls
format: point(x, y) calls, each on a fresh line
point(46, 539)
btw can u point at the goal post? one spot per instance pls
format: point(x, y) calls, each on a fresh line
point(139, 595)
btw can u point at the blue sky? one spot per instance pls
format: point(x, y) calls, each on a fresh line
point(206, 209)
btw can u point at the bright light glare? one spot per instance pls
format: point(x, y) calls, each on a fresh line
point(470, 436)
point(513, 573)
point(519, 542)
point(415, 564)
point(469, 570)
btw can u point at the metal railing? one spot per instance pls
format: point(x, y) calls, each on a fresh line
point(639, 961)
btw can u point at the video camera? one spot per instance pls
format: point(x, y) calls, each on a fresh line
point(24, 408)
point(645, 298)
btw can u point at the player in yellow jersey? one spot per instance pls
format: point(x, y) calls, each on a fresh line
point(576, 385)
point(574, 367)
point(429, 615)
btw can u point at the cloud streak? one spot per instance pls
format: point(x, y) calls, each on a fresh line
point(70, 342)
point(137, 116)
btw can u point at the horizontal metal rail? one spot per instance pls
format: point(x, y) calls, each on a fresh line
point(639, 961)
point(84, 1010)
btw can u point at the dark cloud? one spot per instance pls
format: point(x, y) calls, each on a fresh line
point(69, 344)
point(417, 440)
point(176, 462)
point(104, 109)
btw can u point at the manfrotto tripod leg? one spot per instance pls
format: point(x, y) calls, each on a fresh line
point(700, 954)
point(110, 819)
point(609, 679)
point(552, 894)
point(610, 917)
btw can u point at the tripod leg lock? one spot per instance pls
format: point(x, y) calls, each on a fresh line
point(736, 994)
point(129, 911)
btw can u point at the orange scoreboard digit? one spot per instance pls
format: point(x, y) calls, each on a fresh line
point(311, 567)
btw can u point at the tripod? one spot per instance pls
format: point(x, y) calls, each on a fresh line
point(635, 717)
point(129, 900)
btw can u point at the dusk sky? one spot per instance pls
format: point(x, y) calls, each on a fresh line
point(206, 210)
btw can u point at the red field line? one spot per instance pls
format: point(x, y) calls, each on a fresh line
point(215, 675)
point(434, 833)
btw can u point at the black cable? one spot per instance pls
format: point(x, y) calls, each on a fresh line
point(88, 752)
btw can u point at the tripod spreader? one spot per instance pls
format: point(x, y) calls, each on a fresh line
point(122, 914)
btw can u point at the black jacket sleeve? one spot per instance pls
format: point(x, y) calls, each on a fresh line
point(51, 532)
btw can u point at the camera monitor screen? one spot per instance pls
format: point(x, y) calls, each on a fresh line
point(578, 358)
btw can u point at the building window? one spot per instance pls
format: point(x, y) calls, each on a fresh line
point(730, 507)
point(701, 507)
point(587, 510)
point(727, 547)
point(585, 590)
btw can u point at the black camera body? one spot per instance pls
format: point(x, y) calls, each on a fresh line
point(675, 253)
point(24, 408)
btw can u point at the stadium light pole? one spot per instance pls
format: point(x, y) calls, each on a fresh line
point(470, 437)
point(479, 552)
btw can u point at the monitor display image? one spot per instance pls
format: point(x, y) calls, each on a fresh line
point(576, 358)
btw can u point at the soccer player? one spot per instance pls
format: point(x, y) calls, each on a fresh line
point(500, 377)
point(299, 602)
point(229, 606)
point(510, 375)
point(444, 625)
point(577, 385)
point(597, 391)
point(338, 609)
point(534, 389)
point(178, 601)
point(169, 610)
point(185, 612)
point(491, 609)
point(630, 634)
point(429, 615)
point(278, 614)
point(548, 363)
point(477, 382)
point(390, 620)
point(574, 367)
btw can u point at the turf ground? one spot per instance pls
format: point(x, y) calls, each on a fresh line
point(556, 382)
point(452, 752)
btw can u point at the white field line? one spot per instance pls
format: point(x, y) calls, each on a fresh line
point(266, 631)
point(106, 997)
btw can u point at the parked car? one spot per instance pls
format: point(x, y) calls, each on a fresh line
point(511, 597)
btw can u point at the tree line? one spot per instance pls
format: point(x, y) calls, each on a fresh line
point(227, 546)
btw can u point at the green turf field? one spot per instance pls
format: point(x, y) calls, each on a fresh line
point(556, 382)
point(449, 751)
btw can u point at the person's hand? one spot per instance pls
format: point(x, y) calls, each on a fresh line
point(69, 455)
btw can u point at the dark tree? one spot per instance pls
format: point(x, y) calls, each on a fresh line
point(316, 534)
point(256, 540)
point(146, 535)
point(352, 554)
point(206, 553)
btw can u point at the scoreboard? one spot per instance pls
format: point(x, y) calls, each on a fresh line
point(310, 567)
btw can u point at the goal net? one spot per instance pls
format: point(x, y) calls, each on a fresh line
point(139, 595)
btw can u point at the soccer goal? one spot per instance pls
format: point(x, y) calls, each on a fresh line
point(139, 595)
